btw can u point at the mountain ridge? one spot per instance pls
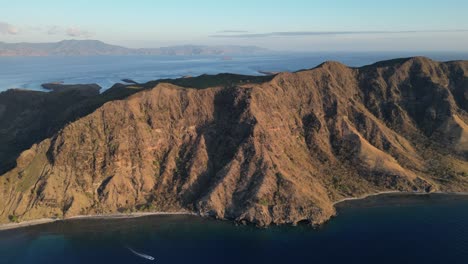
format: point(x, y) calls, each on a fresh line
point(97, 47)
point(278, 151)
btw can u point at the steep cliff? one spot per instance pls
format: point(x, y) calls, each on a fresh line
point(276, 152)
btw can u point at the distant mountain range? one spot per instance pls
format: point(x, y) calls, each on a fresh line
point(96, 47)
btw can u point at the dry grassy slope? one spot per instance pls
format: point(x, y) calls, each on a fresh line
point(278, 152)
point(28, 117)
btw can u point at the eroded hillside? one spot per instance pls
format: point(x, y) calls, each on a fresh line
point(276, 152)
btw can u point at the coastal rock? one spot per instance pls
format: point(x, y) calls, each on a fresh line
point(91, 89)
point(281, 151)
point(129, 81)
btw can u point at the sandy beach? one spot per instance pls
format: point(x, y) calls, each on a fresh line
point(41, 221)
point(396, 192)
point(104, 216)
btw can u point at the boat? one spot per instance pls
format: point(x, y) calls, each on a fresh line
point(141, 254)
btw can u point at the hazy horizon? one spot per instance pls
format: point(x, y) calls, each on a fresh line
point(294, 26)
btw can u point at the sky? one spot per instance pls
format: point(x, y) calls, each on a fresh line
point(299, 25)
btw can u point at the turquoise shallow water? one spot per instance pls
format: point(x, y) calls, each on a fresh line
point(386, 229)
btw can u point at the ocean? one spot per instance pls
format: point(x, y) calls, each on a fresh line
point(31, 72)
point(383, 229)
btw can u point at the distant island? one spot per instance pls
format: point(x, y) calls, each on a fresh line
point(99, 48)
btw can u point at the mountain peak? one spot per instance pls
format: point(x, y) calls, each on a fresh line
point(278, 151)
point(332, 64)
point(400, 61)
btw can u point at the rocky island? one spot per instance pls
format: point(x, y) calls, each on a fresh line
point(277, 149)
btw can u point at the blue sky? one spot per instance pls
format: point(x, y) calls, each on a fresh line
point(285, 25)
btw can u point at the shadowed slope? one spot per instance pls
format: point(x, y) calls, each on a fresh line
point(280, 151)
point(28, 117)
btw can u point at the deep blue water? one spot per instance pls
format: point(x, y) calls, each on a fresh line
point(393, 229)
point(386, 229)
point(31, 72)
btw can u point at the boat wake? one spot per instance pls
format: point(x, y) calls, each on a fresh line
point(141, 254)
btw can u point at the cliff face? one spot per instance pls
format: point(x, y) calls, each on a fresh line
point(277, 152)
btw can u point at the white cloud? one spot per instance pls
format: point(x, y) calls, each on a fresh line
point(79, 33)
point(233, 31)
point(327, 33)
point(8, 29)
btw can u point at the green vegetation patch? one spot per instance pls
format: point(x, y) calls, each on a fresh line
point(264, 202)
point(13, 218)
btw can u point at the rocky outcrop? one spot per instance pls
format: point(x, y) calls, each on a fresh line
point(277, 152)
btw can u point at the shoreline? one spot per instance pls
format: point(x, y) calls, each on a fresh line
point(41, 221)
point(394, 192)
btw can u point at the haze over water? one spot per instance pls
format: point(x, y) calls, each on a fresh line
point(386, 229)
point(31, 72)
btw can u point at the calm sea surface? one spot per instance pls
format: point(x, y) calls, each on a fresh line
point(386, 229)
point(31, 72)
